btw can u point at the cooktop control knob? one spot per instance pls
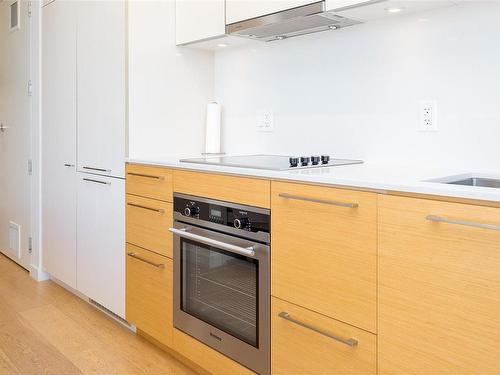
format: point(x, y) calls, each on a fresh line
point(304, 161)
point(294, 162)
point(241, 223)
point(325, 159)
point(191, 210)
point(315, 160)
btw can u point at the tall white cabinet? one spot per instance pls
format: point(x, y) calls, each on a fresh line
point(83, 151)
point(59, 141)
point(101, 63)
point(101, 239)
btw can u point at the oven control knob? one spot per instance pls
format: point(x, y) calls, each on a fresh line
point(241, 223)
point(191, 211)
point(315, 160)
point(325, 159)
point(293, 161)
point(304, 161)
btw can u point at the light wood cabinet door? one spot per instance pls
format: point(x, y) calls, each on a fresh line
point(324, 251)
point(439, 291)
point(149, 182)
point(304, 342)
point(150, 293)
point(148, 221)
point(242, 190)
point(206, 357)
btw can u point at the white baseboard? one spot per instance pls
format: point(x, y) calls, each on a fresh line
point(38, 274)
point(69, 289)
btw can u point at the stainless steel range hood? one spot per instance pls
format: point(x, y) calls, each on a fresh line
point(303, 20)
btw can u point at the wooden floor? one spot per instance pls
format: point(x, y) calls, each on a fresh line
point(44, 329)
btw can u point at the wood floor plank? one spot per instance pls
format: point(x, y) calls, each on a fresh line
point(6, 366)
point(44, 329)
point(27, 350)
point(147, 358)
point(21, 292)
point(80, 346)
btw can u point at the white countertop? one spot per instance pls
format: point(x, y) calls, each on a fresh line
point(371, 176)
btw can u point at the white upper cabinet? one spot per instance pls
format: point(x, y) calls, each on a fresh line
point(59, 141)
point(101, 61)
point(365, 11)
point(338, 4)
point(240, 10)
point(198, 20)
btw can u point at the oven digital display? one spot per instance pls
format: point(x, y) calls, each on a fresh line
point(215, 213)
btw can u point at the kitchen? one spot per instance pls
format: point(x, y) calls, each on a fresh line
point(238, 187)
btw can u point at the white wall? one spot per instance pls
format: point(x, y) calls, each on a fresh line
point(169, 87)
point(356, 92)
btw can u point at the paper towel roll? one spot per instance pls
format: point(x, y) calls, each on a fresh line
point(213, 127)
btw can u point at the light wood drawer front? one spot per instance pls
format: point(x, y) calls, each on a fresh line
point(248, 191)
point(439, 288)
point(205, 357)
point(298, 348)
point(324, 256)
point(148, 221)
point(151, 182)
point(150, 293)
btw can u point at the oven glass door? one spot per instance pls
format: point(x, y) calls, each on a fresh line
point(221, 289)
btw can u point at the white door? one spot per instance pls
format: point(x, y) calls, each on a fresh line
point(101, 240)
point(101, 87)
point(15, 140)
point(59, 141)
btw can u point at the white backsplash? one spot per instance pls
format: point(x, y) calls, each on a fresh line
point(356, 92)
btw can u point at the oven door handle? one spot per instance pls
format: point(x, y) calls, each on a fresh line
point(245, 251)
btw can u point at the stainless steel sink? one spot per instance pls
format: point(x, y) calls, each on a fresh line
point(478, 181)
point(470, 180)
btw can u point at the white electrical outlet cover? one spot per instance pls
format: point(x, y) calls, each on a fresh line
point(265, 120)
point(428, 116)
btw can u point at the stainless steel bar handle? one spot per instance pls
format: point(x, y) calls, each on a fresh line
point(69, 165)
point(157, 265)
point(350, 342)
point(97, 181)
point(245, 251)
point(98, 169)
point(146, 176)
point(321, 201)
point(159, 210)
point(440, 219)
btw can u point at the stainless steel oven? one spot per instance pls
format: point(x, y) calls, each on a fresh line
point(222, 277)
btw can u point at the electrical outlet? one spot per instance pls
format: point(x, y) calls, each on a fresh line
point(428, 116)
point(265, 121)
